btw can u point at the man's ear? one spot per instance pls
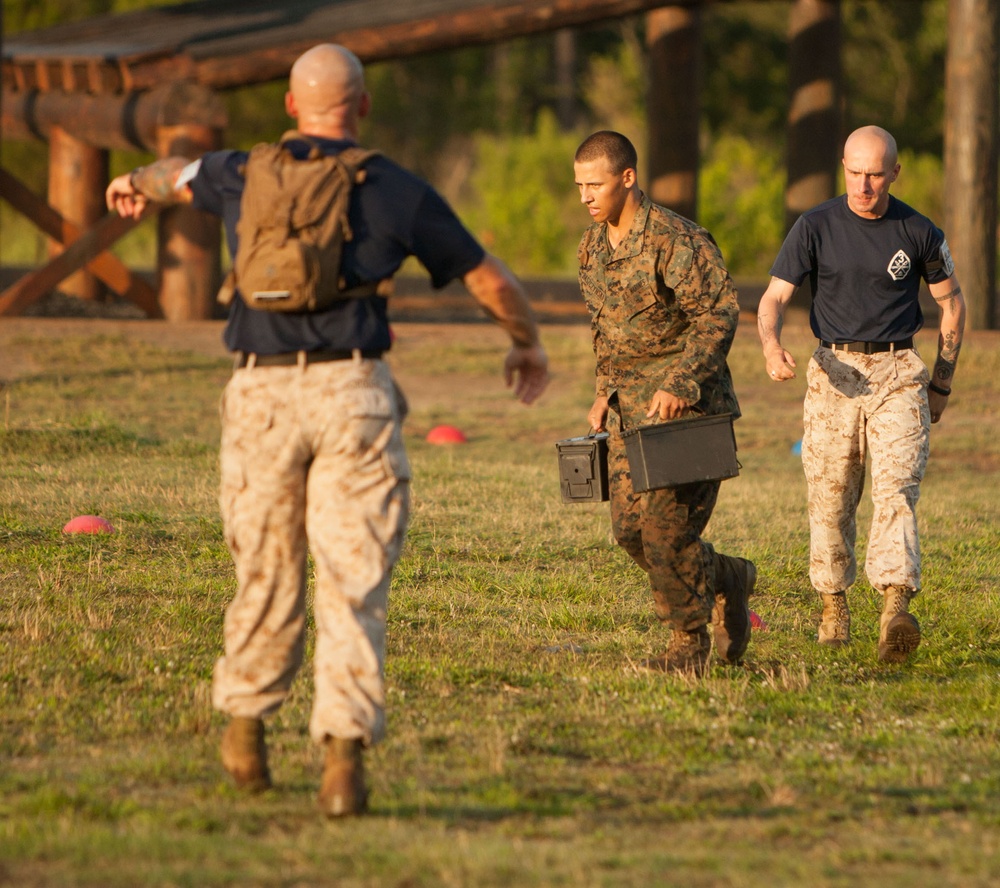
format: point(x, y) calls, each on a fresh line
point(629, 177)
point(364, 104)
point(290, 108)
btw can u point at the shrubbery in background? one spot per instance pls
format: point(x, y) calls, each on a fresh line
point(522, 202)
point(480, 123)
point(741, 201)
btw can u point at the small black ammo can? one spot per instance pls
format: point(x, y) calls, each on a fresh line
point(697, 448)
point(583, 468)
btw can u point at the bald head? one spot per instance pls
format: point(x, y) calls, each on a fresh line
point(327, 91)
point(873, 139)
point(870, 168)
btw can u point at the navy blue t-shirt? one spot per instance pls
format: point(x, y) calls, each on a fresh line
point(864, 273)
point(393, 214)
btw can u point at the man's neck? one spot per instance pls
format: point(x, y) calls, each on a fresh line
point(618, 229)
point(327, 129)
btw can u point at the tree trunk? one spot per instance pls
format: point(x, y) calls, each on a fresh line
point(814, 116)
point(970, 153)
point(673, 105)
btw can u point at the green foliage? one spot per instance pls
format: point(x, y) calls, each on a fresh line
point(419, 105)
point(29, 15)
point(921, 184)
point(741, 192)
point(744, 64)
point(614, 89)
point(894, 60)
point(523, 204)
point(256, 114)
point(478, 122)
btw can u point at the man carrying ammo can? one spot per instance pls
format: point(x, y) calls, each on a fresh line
point(663, 314)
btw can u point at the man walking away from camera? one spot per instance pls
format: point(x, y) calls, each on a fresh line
point(865, 253)
point(663, 315)
point(312, 451)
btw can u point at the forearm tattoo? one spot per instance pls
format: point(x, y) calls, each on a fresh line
point(156, 181)
point(949, 340)
point(944, 367)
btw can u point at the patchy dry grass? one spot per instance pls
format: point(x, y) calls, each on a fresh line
point(522, 748)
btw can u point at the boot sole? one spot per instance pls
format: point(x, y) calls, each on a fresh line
point(902, 638)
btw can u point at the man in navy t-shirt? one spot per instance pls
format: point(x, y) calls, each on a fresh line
point(864, 254)
point(312, 452)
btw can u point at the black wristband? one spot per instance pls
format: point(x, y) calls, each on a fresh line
point(938, 390)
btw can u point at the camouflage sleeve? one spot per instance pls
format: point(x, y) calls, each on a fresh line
point(603, 381)
point(601, 349)
point(705, 293)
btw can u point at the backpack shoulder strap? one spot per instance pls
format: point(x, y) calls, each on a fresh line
point(296, 136)
point(354, 159)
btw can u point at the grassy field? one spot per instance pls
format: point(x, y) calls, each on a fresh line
point(523, 748)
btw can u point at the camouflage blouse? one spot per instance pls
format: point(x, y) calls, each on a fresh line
point(663, 313)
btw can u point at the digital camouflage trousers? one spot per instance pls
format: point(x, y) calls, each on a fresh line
point(858, 404)
point(312, 458)
point(661, 530)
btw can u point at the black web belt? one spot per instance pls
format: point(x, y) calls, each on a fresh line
point(290, 359)
point(868, 348)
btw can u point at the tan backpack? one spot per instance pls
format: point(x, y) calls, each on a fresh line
point(292, 228)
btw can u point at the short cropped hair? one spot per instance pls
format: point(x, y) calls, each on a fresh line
point(619, 151)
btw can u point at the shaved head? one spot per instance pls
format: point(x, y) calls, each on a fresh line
point(873, 138)
point(871, 165)
point(326, 91)
point(326, 77)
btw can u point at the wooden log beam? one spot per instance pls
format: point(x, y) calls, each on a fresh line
point(105, 266)
point(970, 153)
point(84, 249)
point(489, 23)
point(128, 121)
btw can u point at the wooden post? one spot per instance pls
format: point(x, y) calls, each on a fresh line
point(104, 265)
point(814, 116)
point(188, 239)
point(673, 101)
point(78, 175)
point(970, 153)
point(565, 77)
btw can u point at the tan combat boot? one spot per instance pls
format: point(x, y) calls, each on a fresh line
point(731, 613)
point(899, 631)
point(244, 754)
point(688, 653)
point(835, 624)
point(342, 791)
